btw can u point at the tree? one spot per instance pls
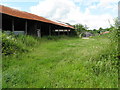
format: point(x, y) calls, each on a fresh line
point(100, 28)
point(80, 28)
point(117, 23)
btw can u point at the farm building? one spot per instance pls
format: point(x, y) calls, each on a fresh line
point(23, 22)
point(104, 32)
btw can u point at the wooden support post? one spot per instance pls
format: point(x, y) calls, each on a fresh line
point(40, 33)
point(35, 28)
point(53, 31)
point(67, 32)
point(63, 32)
point(26, 27)
point(50, 30)
point(58, 32)
point(13, 27)
point(70, 32)
point(0, 21)
point(40, 30)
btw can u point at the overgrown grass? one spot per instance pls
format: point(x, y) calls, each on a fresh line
point(62, 62)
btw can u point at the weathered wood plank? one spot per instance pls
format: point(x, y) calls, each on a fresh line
point(13, 27)
point(26, 27)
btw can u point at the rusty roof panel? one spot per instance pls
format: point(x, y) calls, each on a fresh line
point(26, 15)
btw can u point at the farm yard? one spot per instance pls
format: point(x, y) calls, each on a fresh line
point(62, 62)
point(41, 53)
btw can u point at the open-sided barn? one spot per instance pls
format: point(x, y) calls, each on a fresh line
point(19, 21)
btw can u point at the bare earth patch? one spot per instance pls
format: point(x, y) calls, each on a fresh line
point(85, 38)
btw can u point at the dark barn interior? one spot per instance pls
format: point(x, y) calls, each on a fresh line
point(8, 21)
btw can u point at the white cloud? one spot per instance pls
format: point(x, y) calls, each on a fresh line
point(107, 4)
point(68, 11)
point(19, 0)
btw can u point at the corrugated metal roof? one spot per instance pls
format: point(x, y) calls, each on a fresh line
point(26, 15)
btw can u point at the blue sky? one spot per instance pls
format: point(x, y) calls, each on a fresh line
point(93, 13)
point(24, 6)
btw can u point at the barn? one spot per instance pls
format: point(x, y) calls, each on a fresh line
point(26, 23)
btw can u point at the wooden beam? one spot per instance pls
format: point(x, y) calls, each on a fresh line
point(26, 27)
point(13, 27)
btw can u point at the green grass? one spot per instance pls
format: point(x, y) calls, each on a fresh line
point(63, 63)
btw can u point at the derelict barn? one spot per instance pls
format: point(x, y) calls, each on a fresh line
point(30, 24)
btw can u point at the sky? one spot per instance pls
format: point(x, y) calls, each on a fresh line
point(93, 13)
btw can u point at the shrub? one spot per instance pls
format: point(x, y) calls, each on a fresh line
point(108, 60)
point(10, 45)
point(27, 40)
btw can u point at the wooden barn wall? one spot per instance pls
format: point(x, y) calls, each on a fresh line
point(32, 26)
point(19, 24)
